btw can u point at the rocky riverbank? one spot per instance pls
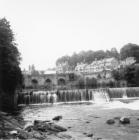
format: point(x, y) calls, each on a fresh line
point(12, 127)
point(10, 124)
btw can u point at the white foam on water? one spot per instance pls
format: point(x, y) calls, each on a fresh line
point(117, 104)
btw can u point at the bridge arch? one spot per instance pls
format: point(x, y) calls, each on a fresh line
point(48, 83)
point(34, 83)
point(61, 81)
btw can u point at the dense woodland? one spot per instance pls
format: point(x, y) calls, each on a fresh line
point(10, 72)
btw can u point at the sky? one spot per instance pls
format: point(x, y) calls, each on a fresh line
point(48, 29)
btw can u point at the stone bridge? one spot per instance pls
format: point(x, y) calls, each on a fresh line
point(47, 80)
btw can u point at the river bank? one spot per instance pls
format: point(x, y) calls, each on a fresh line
point(86, 121)
point(14, 127)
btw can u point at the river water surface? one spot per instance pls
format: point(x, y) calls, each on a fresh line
point(88, 118)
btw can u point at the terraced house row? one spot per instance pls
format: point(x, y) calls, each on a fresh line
point(103, 68)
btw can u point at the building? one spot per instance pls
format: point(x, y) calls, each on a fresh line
point(98, 68)
point(81, 67)
point(128, 61)
point(63, 68)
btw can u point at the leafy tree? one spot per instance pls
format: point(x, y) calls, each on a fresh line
point(130, 50)
point(100, 54)
point(130, 76)
point(112, 53)
point(119, 74)
point(63, 59)
point(10, 72)
point(116, 75)
point(137, 74)
point(89, 56)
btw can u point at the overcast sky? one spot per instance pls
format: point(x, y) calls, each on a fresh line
point(48, 29)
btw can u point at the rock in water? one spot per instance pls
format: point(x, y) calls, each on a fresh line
point(124, 120)
point(14, 132)
point(38, 135)
point(37, 122)
point(90, 135)
point(65, 136)
point(47, 126)
point(57, 118)
point(29, 128)
point(110, 121)
point(24, 135)
point(59, 128)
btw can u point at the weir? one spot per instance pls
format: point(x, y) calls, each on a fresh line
point(62, 96)
point(123, 93)
point(80, 95)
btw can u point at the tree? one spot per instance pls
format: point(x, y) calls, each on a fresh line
point(119, 74)
point(89, 57)
point(112, 53)
point(116, 75)
point(137, 74)
point(100, 54)
point(62, 59)
point(130, 73)
point(130, 50)
point(10, 72)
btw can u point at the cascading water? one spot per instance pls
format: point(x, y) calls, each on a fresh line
point(101, 96)
point(132, 92)
point(36, 97)
point(123, 93)
point(65, 96)
point(117, 92)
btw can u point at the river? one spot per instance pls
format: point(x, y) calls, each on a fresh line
point(88, 118)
